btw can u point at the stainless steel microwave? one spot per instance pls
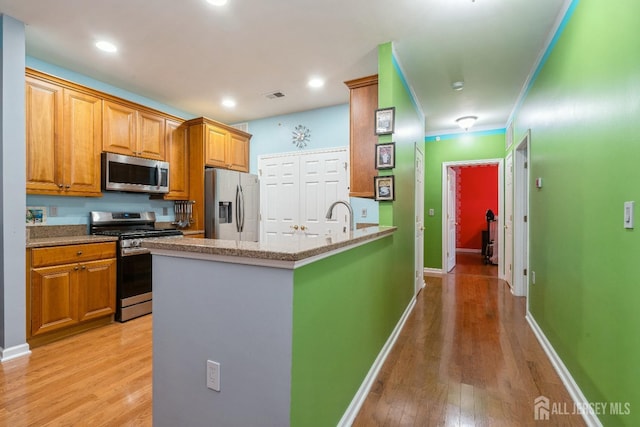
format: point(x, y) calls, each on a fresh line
point(134, 174)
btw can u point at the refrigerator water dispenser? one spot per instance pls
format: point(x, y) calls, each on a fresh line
point(224, 212)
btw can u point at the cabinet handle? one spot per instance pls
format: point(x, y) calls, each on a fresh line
point(75, 268)
point(67, 186)
point(302, 227)
point(60, 185)
point(295, 227)
point(84, 267)
point(79, 252)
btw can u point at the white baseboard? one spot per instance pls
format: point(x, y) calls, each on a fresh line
point(576, 394)
point(360, 396)
point(469, 251)
point(432, 270)
point(14, 352)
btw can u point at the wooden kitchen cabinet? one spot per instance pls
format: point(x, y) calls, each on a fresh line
point(178, 158)
point(63, 130)
point(133, 132)
point(226, 149)
point(69, 289)
point(363, 102)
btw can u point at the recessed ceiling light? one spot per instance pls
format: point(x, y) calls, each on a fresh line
point(228, 102)
point(106, 46)
point(217, 2)
point(316, 82)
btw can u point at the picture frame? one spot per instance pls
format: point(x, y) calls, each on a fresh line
point(384, 188)
point(36, 215)
point(386, 155)
point(385, 120)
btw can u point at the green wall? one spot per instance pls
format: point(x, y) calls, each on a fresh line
point(451, 148)
point(584, 114)
point(345, 307)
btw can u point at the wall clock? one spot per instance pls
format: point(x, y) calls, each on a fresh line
point(301, 136)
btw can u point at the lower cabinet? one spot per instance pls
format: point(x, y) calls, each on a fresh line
point(70, 288)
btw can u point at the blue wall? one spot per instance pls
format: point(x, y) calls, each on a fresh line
point(329, 128)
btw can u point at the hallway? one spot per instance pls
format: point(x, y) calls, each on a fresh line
point(466, 357)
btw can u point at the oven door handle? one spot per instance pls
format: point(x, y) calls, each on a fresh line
point(134, 251)
point(158, 176)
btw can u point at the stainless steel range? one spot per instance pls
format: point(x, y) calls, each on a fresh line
point(134, 281)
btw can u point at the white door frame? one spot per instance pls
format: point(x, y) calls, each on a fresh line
point(445, 204)
point(522, 154)
point(419, 222)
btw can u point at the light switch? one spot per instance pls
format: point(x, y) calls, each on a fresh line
point(628, 214)
point(432, 212)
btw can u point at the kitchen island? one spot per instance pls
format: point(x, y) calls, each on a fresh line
point(296, 327)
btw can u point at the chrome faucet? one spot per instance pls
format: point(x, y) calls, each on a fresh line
point(342, 202)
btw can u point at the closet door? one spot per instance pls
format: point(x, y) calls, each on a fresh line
point(296, 189)
point(279, 196)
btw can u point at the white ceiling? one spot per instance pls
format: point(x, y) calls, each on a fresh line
point(190, 54)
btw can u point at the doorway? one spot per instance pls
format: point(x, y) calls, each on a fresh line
point(449, 214)
point(521, 217)
point(419, 226)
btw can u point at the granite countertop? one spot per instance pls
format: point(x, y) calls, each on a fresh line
point(44, 242)
point(284, 249)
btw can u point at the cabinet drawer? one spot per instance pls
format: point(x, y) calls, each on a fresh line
point(41, 257)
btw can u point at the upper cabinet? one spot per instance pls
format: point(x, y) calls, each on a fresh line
point(63, 131)
point(133, 132)
point(363, 102)
point(224, 146)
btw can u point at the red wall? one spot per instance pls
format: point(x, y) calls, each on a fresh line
point(477, 191)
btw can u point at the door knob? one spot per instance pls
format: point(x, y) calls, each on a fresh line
point(302, 227)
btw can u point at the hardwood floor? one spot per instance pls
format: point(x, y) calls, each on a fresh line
point(99, 378)
point(466, 357)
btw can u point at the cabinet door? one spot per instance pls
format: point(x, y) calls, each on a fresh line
point(151, 136)
point(96, 289)
point(178, 157)
point(363, 102)
point(238, 153)
point(215, 146)
point(53, 298)
point(119, 129)
point(82, 143)
point(43, 131)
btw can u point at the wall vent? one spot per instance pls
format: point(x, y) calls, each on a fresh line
point(244, 127)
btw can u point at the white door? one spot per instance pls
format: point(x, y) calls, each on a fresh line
point(279, 179)
point(508, 220)
point(323, 178)
point(521, 218)
point(297, 188)
point(451, 219)
point(419, 227)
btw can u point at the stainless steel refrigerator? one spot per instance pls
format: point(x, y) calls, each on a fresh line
point(231, 205)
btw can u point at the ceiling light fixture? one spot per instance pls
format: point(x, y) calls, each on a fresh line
point(459, 85)
point(106, 46)
point(466, 122)
point(229, 103)
point(217, 2)
point(316, 83)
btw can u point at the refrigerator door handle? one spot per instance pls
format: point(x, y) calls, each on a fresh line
point(238, 208)
point(242, 209)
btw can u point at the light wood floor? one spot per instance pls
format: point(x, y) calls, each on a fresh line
point(466, 357)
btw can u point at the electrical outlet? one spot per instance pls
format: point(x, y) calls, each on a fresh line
point(213, 375)
point(53, 210)
point(364, 213)
point(165, 211)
